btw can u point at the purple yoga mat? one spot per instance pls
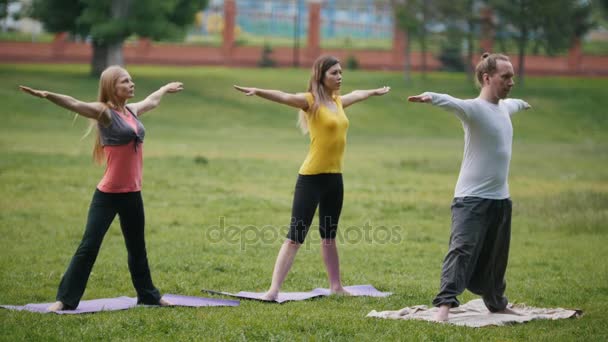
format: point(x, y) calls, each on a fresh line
point(355, 290)
point(190, 301)
point(85, 306)
point(123, 303)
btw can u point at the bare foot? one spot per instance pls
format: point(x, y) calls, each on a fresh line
point(340, 291)
point(508, 311)
point(270, 296)
point(57, 306)
point(163, 302)
point(442, 314)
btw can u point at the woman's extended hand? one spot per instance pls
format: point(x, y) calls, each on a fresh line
point(382, 91)
point(248, 91)
point(174, 87)
point(38, 93)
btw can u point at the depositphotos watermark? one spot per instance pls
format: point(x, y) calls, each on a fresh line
point(252, 235)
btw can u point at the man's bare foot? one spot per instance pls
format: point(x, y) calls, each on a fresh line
point(442, 314)
point(164, 302)
point(57, 306)
point(508, 311)
point(341, 291)
point(270, 296)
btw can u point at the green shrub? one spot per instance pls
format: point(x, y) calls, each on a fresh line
point(352, 63)
point(266, 61)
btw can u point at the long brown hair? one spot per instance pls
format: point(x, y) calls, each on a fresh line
point(487, 65)
point(315, 86)
point(107, 96)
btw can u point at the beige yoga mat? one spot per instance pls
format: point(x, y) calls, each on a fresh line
point(475, 314)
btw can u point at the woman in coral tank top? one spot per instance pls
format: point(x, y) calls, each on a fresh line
point(119, 142)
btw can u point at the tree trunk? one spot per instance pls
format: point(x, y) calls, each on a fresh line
point(575, 55)
point(4, 20)
point(408, 62)
point(470, 48)
point(423, 37)
point(105, 55)
point(468, 65)
point(423, 53)
point(523, 39)
point(110, 53)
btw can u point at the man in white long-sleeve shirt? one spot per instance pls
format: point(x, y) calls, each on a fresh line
point(481, 209)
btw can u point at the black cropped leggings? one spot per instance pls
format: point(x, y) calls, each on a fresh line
point(324, 190)
point(104, 207)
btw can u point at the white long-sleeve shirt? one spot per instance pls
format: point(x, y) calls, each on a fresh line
point(488, 138)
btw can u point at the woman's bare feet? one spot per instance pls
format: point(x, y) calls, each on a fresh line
point(164, 302)
point(57, 306)
point(270, 296)
point(340, 291)
point(442, 314)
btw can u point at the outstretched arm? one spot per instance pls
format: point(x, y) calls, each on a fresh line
point(153, 100)
point(360, 95)
point(92, 110)
point(516, 105)
point(294, 100)
point(458, 106)
point(420, 98)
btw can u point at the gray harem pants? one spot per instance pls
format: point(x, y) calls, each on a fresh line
point(478, 253)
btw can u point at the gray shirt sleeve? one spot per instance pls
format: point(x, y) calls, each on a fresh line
point(515, 105)
point(451, 104)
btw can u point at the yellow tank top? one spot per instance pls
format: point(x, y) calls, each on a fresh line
point(327, 132)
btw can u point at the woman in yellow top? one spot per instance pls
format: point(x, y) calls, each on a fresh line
point(320, 177)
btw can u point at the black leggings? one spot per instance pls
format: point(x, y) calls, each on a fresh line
point(104, 207)
point(325, 190)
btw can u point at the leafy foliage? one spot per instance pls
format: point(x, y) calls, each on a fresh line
point(266, 60)
point(114, 21)
point(109, 23)
point(552, 23)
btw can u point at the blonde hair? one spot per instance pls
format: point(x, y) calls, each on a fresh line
point(107, 96)
point(487, 65)
point(316, 88)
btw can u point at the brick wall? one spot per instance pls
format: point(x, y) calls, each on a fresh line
point(144, 52)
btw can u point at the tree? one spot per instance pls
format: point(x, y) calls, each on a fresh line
point(109, 23)
point(461, 19)
point(425, 16)
point(581, 19)
point(4, 13)
point(411, 16)
point(552, 23)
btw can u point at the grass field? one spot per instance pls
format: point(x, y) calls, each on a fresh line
point(212, 153)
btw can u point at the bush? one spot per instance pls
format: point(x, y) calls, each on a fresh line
point(201, 160)
point(451, 58)
point(266, 61)
point(352, 63)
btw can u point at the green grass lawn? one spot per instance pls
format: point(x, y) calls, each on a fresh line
point(212, 153)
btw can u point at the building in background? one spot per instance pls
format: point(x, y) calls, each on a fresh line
point(348, 19)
